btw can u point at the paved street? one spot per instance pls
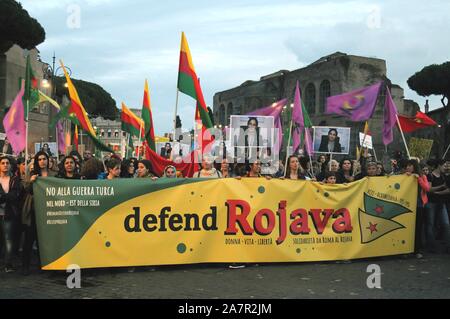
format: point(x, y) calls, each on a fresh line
point(401, 278)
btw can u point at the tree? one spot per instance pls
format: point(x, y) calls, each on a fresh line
point(17, 27)
point(432, 80)
point(94, 98)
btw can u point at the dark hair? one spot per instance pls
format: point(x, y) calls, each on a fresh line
point(304, 161)
point(371, 164)
point(333, 129)
point(36, 168)
point(342, 163)
point(288, 168)
point(148, 165)
point(435, 163)
point(383, 171)
point(5, 157)
point(402, 163)
point(330, 174)
point(75, 155)
point(11, 165)
point(62, 169)
point(252, 119)
point(414, 164)
point(240, 169)
point(92, 168)
point(124, 168)
point(111, 163)
point(20, 160)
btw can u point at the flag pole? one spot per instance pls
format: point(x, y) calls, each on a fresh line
point(140, 135)
point(374, 152)
point(287, 149)
point(357, 159)
point(331, 158)
point(122, 140)
point(128, 144)
point(57, 141)
point(26, 139)
point(403, 136)
point(175, 117)
point(365, 134)
point(309, 153)
point(446, 151)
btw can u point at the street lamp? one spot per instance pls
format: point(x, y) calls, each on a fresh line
point(50, 74)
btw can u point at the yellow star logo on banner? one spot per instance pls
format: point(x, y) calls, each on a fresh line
point(373, 227)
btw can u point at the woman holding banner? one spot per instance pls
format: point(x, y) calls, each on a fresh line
point(144, 170)
point(208, 171)
point(10, 189)
point(67, 169)
point(40, 170)
point(345, 173)
point(436, 211)
point(412, 168)
point(113, 168)
point(293, 170)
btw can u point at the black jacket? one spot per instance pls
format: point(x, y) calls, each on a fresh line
point(12, 198)
point(324, 145)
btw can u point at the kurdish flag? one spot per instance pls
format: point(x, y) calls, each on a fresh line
point(77, 113)
point(358, 105)
point(147, 117)
point(189, 84)
point(131, 123)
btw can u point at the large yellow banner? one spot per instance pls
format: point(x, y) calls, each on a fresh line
point(137, 223)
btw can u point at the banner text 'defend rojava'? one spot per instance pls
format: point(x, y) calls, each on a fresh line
point(135, 222)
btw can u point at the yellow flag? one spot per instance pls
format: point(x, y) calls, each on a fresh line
point(45, 98)
point(366, 128)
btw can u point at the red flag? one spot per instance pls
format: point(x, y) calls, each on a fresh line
point(410, 124)
point(187, 166)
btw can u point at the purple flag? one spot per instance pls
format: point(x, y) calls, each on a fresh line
point(274, 110)
point(358, 105)
point(390, 118)
point(14, 123)
point(297, 120)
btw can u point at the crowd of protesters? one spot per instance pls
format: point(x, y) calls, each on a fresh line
point(18, 218)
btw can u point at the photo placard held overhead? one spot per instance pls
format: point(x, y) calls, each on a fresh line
point(331, 140)
point(250, 135)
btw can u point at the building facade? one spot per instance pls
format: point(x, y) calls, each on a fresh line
point(439, 134)
point(111, 134)
point(12, 71)
point(330, 75)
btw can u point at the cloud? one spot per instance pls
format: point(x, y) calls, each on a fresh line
point(120, 43)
